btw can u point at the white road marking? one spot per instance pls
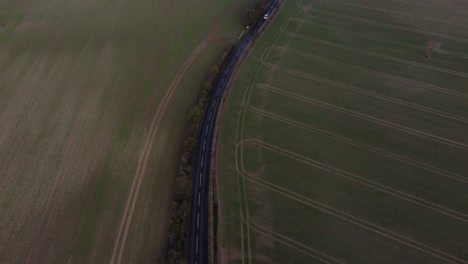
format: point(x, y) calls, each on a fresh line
point(204, 143)
point(196, 246)
point(209, 118)
point(202, 160)
point(198, 220)
point(199, 184)
point(217, 93)
point(206, 130)
point(198, 199)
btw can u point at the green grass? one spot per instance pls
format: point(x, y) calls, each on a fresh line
point(342, 143)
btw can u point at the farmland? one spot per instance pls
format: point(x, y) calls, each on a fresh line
point(344, 137)
point(93, 103)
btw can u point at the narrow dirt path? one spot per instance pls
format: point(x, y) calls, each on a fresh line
point(119, 245)
point(119, 242)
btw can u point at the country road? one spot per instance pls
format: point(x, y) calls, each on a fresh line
point(198, 226)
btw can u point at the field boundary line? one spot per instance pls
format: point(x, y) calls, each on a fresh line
point(236, 161)
point(360, 179)
point(360, 145)
point(127, 216)
point(381, 24)
point(292, 243)
point(371, 94)
point(389, 11)
point(363, 69)
point(238, 157)
point(359, 222)
point(119, 241)
point(244, 192)
point(378, 121)
point(378, 55)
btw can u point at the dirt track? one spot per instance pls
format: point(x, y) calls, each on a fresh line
point(144, 155)
point(81, 122)
point(120, 241)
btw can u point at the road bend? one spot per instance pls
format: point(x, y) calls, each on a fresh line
point(198, 225)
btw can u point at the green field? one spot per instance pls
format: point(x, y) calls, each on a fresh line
point(342, 143)
point(93, 103)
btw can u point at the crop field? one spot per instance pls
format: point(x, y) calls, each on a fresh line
point(345, 137)
point(93, 103)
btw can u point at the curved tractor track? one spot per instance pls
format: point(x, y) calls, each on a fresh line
point(127, 216)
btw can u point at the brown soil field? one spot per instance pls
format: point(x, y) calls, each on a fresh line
point(93, 99)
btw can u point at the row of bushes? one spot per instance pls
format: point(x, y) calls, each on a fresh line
point(254, 13)
point(180, 211)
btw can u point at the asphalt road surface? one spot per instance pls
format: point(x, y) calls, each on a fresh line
point(198, 228)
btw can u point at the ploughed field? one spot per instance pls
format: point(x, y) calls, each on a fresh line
point(342, 142)
point(93, 103)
